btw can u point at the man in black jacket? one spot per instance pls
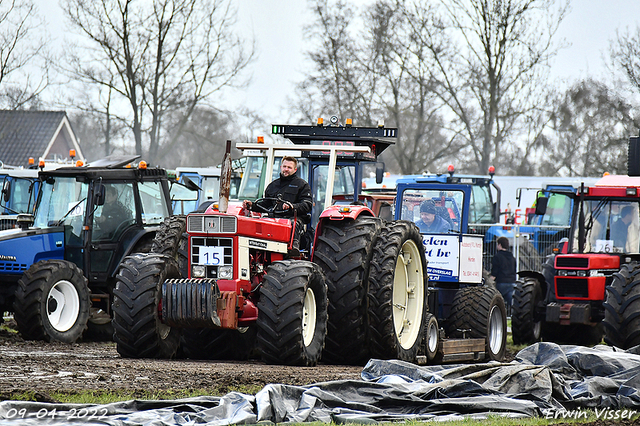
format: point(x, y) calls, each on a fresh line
point(503, 270)
point(289, 187)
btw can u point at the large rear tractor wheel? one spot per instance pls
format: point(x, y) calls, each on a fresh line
point(525, 328)
point(292, 313)
point(52, 302)
point(171, 240)
point(480, 310)
point(139, 333)
point(622, 308)
point(343, 251)
point(397, 293)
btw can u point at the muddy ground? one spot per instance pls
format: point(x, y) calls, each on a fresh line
point(47, 368)
point(27, 366)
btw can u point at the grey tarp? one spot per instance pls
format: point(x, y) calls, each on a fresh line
point(543, 378)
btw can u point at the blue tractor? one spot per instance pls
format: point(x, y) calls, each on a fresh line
point(57, 270)
point(470, 312)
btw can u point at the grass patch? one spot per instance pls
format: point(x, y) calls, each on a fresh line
point(7, 328)
point(109, 396)
point(504, 421)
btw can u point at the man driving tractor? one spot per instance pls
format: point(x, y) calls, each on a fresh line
point(287, 195)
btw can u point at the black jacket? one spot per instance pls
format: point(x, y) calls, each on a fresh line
point(503, 267)
point(295, 190)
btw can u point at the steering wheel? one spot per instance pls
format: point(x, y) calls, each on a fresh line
point(272, 210)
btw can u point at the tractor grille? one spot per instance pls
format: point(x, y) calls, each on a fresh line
point(572, 262)
point(572, 287)
point(12, 267)
point(212, 224)
point(212, 252)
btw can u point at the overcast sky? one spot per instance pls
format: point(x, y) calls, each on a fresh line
point(277, 27)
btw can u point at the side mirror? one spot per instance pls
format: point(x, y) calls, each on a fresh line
point(98, 195)
point(541, 205)
point(379, 172)
point(6, 191)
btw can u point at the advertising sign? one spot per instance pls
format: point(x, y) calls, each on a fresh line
point(443, 253)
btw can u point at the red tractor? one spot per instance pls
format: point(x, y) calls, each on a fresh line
point(222, 284)
point(591, 289)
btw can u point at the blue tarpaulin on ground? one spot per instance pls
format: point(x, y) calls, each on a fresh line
point(543, 380)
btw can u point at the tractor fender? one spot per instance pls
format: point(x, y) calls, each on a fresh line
point(132, 243)
point(336, 212)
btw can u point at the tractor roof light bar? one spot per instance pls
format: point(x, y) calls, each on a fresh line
point(333, 156)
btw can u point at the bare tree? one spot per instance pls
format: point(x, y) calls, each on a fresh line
point(375, 73)
point(336, 83)
point(161, 59)
point(489, 60)
point(23, 66)
point(592, 125)
point(624, 52)
point(202, 141)
point(407, 92)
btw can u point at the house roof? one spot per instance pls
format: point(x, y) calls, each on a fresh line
point(25, 134)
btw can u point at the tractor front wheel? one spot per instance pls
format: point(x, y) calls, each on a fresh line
point(292, 313)
point(52, 302)
point(138, 331)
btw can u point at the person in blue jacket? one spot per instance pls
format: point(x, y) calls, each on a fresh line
point(430, 221)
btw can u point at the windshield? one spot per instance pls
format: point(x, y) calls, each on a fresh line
point(60, 197)
point(611, 226)
point(210, 188)
point(433, 211)
point(19, 195)
point(558, 211)
point(481, 207)
point(343, 184)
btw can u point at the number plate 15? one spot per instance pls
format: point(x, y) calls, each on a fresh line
point(211, 255)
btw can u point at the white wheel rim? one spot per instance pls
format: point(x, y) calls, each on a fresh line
point(496, 330)
point(63, 306)
point(408, 295)
point(432, 337)
point(308, 317)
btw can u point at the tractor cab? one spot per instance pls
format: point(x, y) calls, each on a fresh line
point(349, 166)
point(19, 190)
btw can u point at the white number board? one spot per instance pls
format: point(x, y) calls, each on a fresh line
point(211, 256)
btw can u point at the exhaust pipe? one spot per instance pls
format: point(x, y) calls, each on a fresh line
point(225, 180)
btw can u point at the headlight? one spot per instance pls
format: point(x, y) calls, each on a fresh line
point(225, 272)
point(582, 273)
point(562, 273)
point(198, 271)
